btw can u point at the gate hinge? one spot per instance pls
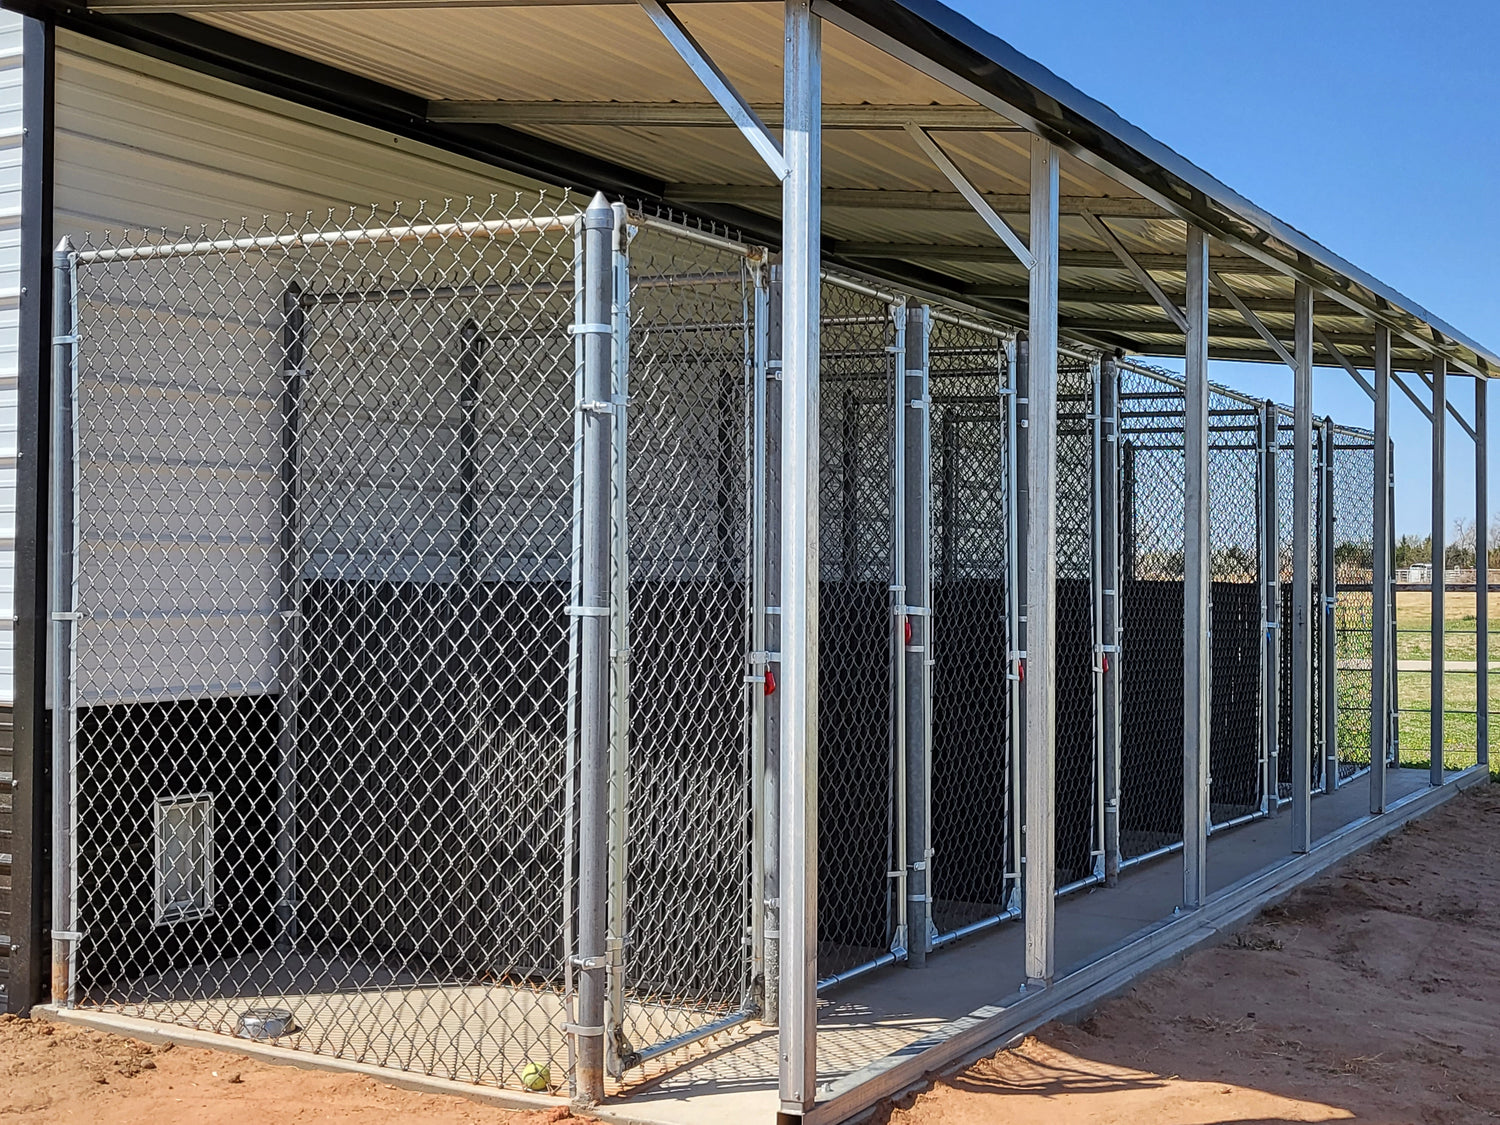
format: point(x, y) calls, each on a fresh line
point(588, 611)
point(593, 406)
point(595, 329)
point(578, 961)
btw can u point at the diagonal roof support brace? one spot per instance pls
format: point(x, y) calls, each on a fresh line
point(975, 200)
point(1342, 360)
point(1463, 423)
point(706, 70)
point(1255, 322)
point(1148, 282)
point(1415, 401)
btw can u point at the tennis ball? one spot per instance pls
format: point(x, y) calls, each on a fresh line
point(536, 1076)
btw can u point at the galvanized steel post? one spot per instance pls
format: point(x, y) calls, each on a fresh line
point(915, 402)
point(1481, 575)
point(1380, 577)
point(62, 596)
point(801, 220)
point(1439, 566)
point(1302, 563)
point(1109, 606)
point(1039, 882)
point(770, 562)
point(593, 612)
point(1270, 601)
point(1196, 620)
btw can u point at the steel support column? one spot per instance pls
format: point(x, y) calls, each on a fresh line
point(1439, 565)
point(1481, 575)
point(594, 670)
point(1109, 607)
point(1196, 621)
point(1039, 882)
point(801, 221)
point(1380, 598)
point(1302, 563)
point(917, 480)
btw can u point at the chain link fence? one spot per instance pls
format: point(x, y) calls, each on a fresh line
point(388, 688)
point(974, 824)
point(1080, 810)
point(1353, 482)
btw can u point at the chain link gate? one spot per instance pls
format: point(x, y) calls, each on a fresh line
point(1236, 763)
point(1353, 517)
point(319, 635)
point(1079, 769)
point(1286, 516)
point(1152, 480)
point(1152, 526)
point(974, 826)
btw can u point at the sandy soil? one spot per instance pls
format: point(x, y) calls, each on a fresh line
point(1372, 994)
point(71, 1076)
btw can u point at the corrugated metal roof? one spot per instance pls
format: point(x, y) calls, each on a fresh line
point(905, 53)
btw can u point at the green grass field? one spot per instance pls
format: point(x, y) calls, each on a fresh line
point(1414, 643)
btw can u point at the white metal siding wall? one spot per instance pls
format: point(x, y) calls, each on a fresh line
point(141, 144)
point(10, 298)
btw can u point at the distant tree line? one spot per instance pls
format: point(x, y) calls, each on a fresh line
point(1459, 553)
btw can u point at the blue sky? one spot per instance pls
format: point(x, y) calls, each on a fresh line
point(1372, 126)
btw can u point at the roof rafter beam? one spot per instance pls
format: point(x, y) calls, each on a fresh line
point(972, 195)
point(715, 82)
point(1169, 328)
point(1130, 297)
point(1078, 259)
point(1139, 272)
point(866, 199)
point(1248, 316)
point(709, 115)
point(1343, 361)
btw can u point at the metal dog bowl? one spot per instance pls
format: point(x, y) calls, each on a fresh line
point(264, 1023)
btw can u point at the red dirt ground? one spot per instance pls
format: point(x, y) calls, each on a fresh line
point(1373, 994)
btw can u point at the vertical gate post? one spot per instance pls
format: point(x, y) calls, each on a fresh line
point(915, 401)
point(801, 219)
point(1196, 621)
point(1109, 606)
point(593, 611)
point(618, 1051)
point(1328, 596)
point(1481, 575)
point(1270, 602)
point(1302, 563)
point(769, 559)
point(1039, 883)
point(1439, 564)
point(1380, 577)
point(1020, 458)
point(288, 703)
point(62, 583)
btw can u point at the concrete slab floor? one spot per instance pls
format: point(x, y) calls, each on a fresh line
point(889, 1009)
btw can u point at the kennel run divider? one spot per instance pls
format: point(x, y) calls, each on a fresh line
point(368, 528)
